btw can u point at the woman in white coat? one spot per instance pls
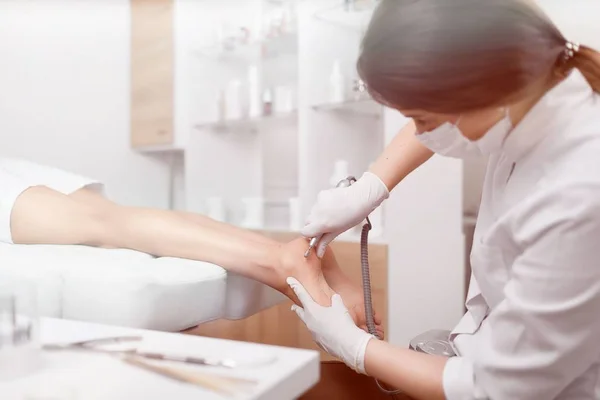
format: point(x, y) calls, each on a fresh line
point(497, 78)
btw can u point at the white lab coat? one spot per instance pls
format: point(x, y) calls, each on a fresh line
point(532, 330)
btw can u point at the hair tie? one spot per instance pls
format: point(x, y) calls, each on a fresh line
point(571, 48)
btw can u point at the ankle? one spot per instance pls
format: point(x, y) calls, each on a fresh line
point(292, 263)
point(331, 268)
point(291, 258)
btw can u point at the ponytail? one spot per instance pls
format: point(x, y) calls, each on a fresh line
point(587, 61)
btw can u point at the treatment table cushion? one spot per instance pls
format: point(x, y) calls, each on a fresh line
point(129, 288)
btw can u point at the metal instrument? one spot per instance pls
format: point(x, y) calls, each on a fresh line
point(311, 245)
point(314, 241)
point(94, 347)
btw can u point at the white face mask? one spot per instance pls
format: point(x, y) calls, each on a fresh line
point(448, 140)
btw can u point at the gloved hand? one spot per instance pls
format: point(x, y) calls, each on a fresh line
point(340, 209)
point(332, 328)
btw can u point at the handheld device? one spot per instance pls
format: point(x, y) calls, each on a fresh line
point(366, 275)
point(313, 241)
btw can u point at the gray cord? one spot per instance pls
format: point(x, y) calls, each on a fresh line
point(366, 281)
point(366, 278)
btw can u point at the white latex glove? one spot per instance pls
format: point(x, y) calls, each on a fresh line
point(332, 328)
point(339, 209)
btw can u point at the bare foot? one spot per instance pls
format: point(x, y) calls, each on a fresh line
point(352, 294)
point(322, 279)
point(306, 270)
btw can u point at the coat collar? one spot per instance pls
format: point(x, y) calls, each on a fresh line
point(553, 112)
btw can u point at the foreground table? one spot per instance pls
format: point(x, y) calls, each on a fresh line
point(282, 373)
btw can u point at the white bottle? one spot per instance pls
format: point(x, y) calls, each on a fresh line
point(254, 215)
point(340, 172)
point(284, 99)
point(337, 85)
point(296, 222)
point(253, 92)
point(219, 36)
point(233, 100)
point(215, 209)
point(220, 106)
point(267, 102)
point(211, 114)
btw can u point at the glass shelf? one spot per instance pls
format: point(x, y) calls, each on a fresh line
point(159, 148)
point(244, 124)
point(286, 44)
point(349, 14)
point(366, 107)
point(281, 3)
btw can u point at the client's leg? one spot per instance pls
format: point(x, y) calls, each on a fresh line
point(99, 202)
point(44, 216)
point(351, 293)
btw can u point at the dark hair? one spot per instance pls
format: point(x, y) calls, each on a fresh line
point(462, 55)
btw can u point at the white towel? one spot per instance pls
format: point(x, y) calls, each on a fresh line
point(17, 175)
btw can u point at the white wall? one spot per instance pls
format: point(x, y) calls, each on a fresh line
point(426, 246)
point(64, 93)
point(577, 19)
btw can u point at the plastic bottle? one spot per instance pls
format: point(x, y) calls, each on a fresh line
point(253, 92)
point(337, 86)
point(267, 102)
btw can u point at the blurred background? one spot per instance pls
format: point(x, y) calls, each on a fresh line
point(242, 110)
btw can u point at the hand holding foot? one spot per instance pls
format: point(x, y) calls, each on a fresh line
point(351, 293)
point(322, 278)
point(332, 327)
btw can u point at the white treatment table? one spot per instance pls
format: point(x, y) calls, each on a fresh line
point(281, 373)
point(131, 289)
